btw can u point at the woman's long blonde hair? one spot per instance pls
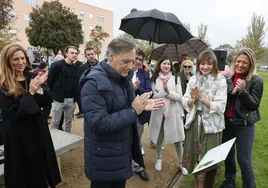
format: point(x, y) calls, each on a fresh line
point(252, 63)
point(8, 79)
point(185, 62)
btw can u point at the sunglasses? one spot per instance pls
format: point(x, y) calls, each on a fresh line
point(187, 66)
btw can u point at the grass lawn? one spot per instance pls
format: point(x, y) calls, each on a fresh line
point(260, 151)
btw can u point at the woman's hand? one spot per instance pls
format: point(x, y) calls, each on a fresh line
point(165, 87)
point(34, 85)
point(193, 93)
point(198, 94)
point(241, 85)
point(41, 78)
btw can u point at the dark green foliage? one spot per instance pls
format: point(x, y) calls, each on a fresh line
point(5, 17)
point(54, 26)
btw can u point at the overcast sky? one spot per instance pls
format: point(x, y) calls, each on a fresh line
point(227, 20)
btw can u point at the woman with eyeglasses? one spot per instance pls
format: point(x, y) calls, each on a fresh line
point(30, 159)
point(205, 99)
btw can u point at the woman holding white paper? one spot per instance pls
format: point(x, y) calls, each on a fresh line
point(205, 101)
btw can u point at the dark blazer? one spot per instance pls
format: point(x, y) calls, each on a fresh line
point(111, 138)
point(246, 109)
point(30, 159)
point(56, 81)
point(145, 86)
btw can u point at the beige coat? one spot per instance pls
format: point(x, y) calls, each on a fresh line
point(173, 125)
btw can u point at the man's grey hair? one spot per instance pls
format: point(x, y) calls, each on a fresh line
point(119, 45)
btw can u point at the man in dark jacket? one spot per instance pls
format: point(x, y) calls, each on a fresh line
point(62, 80)
point(110, 112)
point(91, 61)
point(142, 84)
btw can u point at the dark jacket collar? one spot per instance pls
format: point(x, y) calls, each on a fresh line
point(115, 75)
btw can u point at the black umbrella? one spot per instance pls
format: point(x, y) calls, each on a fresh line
point(155, 26)
point(191, 47)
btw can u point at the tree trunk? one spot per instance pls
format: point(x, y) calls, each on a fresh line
point(55, 51)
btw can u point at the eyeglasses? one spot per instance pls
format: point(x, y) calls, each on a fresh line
point(187, 66)
point(138, 59)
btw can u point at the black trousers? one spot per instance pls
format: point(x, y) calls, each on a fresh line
point(61, 121)
point(117, 184)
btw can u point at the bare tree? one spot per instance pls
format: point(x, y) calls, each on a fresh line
point(97, 37)
point(187, 26)
point(202, 33)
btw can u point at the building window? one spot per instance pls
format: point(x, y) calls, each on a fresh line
point(82, 13)
point(91, 15)
point(100, 18)
point(30, 2)
point(91, 28)
point(26, 17)
point(13, 32)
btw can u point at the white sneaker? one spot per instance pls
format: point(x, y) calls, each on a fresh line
point(158, 165)
point(184, 171)
point(142, 151)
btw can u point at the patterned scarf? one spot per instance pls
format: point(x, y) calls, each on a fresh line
point(165, 76)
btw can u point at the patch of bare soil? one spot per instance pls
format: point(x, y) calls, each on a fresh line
point(72, 165)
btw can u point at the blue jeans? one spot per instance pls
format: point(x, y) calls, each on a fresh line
point(244, 143)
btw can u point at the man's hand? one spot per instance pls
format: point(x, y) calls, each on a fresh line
point(140, 102)
point(136, 84)
point(154, 104)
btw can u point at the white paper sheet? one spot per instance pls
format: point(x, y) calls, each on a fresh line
point(214, 156)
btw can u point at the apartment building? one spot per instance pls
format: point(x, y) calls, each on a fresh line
point(90, 16)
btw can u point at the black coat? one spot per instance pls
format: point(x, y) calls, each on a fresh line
point(246, 109)
point(56, 81)
point(111, 138)
point(30, 159)
point(184, 81)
